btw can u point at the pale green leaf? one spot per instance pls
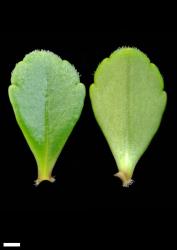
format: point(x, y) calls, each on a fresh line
point(128, 102)
point(47, 98)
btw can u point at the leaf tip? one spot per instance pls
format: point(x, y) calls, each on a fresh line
point(129, 51)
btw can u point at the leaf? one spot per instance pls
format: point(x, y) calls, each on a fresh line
point(128, 102)
point(47, 98)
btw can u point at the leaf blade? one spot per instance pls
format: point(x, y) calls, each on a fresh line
point(127, 98)
point(47, 98)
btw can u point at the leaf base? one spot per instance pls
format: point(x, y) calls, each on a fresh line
point(40, 179)
point(126, 180)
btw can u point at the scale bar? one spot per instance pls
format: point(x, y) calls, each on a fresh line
point(12, 244)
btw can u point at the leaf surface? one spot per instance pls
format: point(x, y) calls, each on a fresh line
point(128, 102)
point(47, 98)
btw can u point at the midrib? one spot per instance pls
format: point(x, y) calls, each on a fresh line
point(127, 110)
point(46, 128)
